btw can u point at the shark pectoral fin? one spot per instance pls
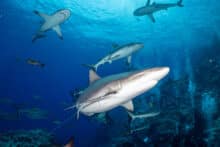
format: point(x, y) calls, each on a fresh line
point(152, 18)
point(58, 31)
point(129, 106)
point(129, 60)
point(44, 16)
point(93, 76)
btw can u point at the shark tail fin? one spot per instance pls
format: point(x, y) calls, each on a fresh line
point(76, 93)
point(93, 67)
point(38, 36)
point(179, 3)
point(132, 116)
point(44, 16)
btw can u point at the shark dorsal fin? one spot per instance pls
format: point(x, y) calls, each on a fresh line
point(43, 15)
point(93, 76)
point(129, 106)
point(148, 3)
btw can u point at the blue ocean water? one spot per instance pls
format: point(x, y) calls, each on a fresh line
point(185, 39)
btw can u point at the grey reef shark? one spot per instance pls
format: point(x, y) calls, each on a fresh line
point(124, 51)
point(149, 9)
point(104, 94)
point(52, 22)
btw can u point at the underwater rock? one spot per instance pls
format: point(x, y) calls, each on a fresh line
point(26, 138)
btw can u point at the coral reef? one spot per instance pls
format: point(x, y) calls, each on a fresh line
point(24, 138)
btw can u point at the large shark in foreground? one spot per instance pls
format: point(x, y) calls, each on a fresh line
point(107, 93)
point(124, 51)
point(52, 22)
point(149, 9)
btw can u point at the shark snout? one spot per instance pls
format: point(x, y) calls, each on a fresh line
point(136, 13)
point(140, 45)
point(66, 13)
point(159, 73)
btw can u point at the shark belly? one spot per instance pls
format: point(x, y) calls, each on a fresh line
point(134, 89)
point(103, 105)
point(144, 11)
point(121, 54)
point(50, 24)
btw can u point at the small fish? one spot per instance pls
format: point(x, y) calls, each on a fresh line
point(35, 62)
point(70, 143)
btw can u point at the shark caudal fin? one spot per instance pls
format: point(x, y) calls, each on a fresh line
point(179, 3)
point(38, 36)
point(76, 93)
point(91, 66)
point(132, 116)
point(44, 16)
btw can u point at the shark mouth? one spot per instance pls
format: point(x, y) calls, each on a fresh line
point(90, 102)
point(64, 15)
point(83, 105)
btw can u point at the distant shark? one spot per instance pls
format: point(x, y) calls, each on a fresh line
point(150, 9)
point(124, 51)
point(52, 22)
point(117, 90)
